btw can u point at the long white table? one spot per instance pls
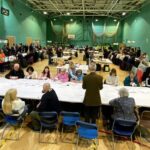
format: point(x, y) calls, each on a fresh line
point(71, 92)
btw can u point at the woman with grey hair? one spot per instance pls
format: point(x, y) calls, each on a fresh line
point(124, 106)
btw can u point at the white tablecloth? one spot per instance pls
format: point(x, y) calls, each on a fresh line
point(71, 92)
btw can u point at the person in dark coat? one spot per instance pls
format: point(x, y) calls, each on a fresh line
point(49, 102)
point(92, 83)
point(15, 73)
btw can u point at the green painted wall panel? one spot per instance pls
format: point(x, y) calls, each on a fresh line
point(137, 28)
point(22, 23)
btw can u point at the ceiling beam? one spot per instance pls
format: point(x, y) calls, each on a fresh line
point(83, 5)
point(55, 7)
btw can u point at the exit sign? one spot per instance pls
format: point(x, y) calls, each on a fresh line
point(4, 11)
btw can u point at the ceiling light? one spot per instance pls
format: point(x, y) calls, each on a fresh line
point(115, 20)
point(71, 20)
point(44, 12)
point(124, 13)
point(96, 20)
point(68, 13)
point(54, 19)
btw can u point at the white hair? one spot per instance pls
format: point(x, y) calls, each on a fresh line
point(92, 67)
point(123, 92)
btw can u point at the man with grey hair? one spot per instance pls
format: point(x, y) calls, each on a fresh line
point(49, 102)
point(16, 72)
point(92, 83)
point(124, 106)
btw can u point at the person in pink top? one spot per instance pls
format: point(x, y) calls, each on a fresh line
point(62, 76)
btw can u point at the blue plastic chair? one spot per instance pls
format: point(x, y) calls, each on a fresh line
point(15, 122)
point(69, 119)
point(123, 128)
point(86, 131)
point(48, 121)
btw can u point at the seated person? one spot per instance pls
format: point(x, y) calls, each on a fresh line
point(49, 102)
point(72, 71)
point(15, 73)
point(30, 73)
point(46, 73)
point(124, 106)
point(131, 80)
point(147, 81)
point(62, 76)
point(13, 106)
point(112, 79)
point(2, 60)
point(79, 75)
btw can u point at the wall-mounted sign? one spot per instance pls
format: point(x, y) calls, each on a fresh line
point(4, 11)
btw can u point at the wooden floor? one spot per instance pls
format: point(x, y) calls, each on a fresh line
point(29, 139)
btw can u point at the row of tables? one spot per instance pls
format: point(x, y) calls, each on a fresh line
point(71, 92)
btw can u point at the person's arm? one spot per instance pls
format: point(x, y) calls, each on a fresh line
point(18, 105)
point(72, 75)
point(136, 81)
point(21, 75)
point(117, 81)
point(146, 82)
point(101, 83)
point(126, 82)
point(108, 80)
point(41, 106)
point(84, 83)
point(8, 75)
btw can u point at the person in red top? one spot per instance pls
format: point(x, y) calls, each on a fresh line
point(2, 60)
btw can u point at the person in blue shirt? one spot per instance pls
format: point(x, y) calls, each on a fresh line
point(131, 80)
point(72, 71)
point(79, 75)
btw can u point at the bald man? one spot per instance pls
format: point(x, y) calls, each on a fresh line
point(49, 102)
point(16, 72)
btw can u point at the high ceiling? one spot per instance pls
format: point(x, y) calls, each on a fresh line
point(113, 8)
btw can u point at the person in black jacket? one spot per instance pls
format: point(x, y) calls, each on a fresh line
point(49, 102)
point(15, 73)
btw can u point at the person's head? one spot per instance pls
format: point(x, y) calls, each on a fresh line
point(131, 74)
point(79, 72)
point(113, 72)
point(30, 70)
point(63, 70)
point(46, 71)
point(46, 87)
point(9, 97)
point(123, 92)
point(92, 67)
point(16, 67)
point(71, 65)
point(1, 51)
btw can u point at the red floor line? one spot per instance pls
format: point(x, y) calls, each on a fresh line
point(123, 138)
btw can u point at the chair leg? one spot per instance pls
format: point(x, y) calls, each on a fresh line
point(113, 139)
point(77, 142)
point(4, 131)
point(57, 135)
point(62, 131)
point(40, 134)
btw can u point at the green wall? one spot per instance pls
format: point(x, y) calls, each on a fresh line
point(137, 28)
point(59, 29)
point(22, 23)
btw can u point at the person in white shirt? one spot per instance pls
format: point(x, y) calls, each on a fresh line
point(112, 79)
point(13, 106)
point(30, 73)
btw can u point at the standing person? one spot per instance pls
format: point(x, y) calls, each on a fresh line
point(87, 56)
point(50, 55)
point(92, 83)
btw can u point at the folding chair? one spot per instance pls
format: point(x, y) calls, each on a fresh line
point(145, 124)
point(86, 131)
point(69, 119)
point(123, 128)
point(48, 121)
point(14, 122)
